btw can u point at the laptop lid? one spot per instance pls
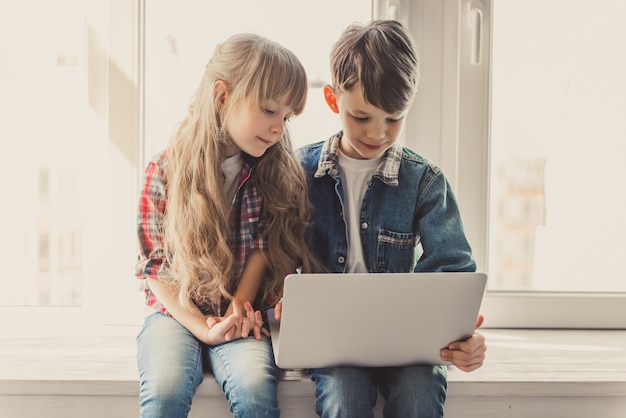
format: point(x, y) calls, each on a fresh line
point(377, 320)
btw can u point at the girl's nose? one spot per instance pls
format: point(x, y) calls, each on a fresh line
point(278, 127)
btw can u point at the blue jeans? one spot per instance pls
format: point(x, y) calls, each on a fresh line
point(409, 392)
point(170, 364)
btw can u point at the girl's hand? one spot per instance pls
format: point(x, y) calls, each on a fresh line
point(236, 325)
point(467, 355)
point(222, 329)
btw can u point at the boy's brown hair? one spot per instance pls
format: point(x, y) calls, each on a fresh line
point(381, 57)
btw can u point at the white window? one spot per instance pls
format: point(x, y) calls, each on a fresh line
point(521, 105)
point(69, 168)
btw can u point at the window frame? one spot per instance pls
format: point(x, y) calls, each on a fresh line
point(450, 125)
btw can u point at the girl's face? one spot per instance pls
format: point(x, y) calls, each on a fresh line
point(254, 128)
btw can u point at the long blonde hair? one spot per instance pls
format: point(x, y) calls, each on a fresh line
point(196, 223)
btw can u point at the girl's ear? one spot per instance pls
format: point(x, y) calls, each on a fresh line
point(220, 92)
point(331, 99)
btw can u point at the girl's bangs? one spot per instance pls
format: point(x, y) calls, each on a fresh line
point(281, 77)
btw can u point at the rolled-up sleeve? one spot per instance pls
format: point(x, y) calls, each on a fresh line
point(150, 215)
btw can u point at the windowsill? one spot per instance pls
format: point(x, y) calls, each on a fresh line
point(544, 373)
point(569, 360)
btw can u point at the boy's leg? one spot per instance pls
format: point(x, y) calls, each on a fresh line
point(246, 371)
point(169, 360)
point(344, 392)
point(412, 392)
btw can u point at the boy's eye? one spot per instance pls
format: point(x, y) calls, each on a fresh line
point(361, 119)
point(394, 120)
point(268, 111)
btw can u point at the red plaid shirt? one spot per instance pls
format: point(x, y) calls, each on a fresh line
point(246, 226)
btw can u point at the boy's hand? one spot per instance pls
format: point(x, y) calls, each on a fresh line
point(278, 310)
point(467, 355)
point(253, 322)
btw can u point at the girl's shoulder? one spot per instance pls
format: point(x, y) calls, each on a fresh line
point(157, 162)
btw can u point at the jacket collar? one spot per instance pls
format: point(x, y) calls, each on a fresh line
point(387, 171)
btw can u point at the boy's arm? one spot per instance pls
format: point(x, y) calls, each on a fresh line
point(249, 286)
point(442, 236)
point(446, 248)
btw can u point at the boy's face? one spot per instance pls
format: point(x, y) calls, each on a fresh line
point(368, 131)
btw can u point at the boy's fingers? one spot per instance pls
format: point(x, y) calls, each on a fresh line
point(278, 310)
point(479, 321)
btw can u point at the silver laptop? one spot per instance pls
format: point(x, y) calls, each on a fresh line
point(376, 320)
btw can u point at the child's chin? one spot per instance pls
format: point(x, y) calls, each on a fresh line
point(256, 152)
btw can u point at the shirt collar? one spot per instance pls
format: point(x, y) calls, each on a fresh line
point(387, 171)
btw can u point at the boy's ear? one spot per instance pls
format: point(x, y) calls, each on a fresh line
point(331, 99)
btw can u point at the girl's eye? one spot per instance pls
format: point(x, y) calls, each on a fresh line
point(393, 120)
point(268, 111)
point(358, 119)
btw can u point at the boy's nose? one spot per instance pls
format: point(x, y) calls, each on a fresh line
point(376, 133)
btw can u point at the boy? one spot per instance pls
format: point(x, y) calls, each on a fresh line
point(379, 207)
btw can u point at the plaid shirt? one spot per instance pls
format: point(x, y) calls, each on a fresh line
point(246, 226)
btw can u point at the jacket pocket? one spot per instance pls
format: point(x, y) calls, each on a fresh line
point(396, 251)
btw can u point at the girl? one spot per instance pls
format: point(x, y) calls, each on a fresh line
point(221, 222)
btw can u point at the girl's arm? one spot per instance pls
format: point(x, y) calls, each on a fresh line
point(219, 332)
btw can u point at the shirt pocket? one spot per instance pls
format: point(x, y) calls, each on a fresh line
point(396, 251)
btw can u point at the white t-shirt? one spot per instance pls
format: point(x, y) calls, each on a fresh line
point(231, 168)
point(355, 177)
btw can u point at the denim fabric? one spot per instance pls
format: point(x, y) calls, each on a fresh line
point(409, 392)
point(410, 222)
point(246, 371)
point(169, 359)
point(412, 226)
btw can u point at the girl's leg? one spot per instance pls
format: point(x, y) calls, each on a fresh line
point(246, 371)
point(412, 392)
point(344, 392)
point(169, 359)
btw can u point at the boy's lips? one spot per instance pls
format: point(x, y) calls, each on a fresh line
point(372, 147)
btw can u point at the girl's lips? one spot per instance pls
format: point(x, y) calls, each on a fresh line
point(265, 141)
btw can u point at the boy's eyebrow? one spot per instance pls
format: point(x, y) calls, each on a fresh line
point(359, 112)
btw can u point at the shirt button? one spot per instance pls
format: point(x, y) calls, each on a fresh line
point(334, 171)
point(341, 260)
point(364, 225)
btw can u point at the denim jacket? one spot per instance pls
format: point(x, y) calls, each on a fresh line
point(410, 219)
